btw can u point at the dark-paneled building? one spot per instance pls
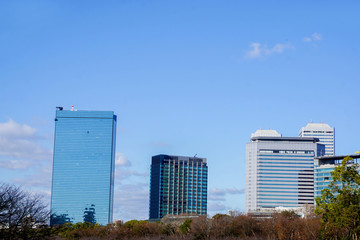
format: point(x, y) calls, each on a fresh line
point(178, 185)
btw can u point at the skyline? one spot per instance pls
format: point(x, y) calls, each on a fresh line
point(183, 78)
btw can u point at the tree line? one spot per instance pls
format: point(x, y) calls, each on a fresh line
point(284, 225)
point(337, 216)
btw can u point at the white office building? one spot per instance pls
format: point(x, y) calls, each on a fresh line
point(280, 171)
point(323, 132)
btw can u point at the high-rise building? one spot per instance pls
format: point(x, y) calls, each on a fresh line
point(178, 185)
point(324, 166)
point(280, 171)
point(323, 132)
point(83, 168)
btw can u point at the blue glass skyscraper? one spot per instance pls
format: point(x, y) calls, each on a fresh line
point(83, 168)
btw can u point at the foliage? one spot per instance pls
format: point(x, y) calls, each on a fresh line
point(339, 205)
point(22, 215)
point(282, 226)
point(221, 226)
point(200, 228)
point(77, 230)
point(185, 227)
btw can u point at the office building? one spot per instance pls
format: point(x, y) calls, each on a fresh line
point(83, 168)
point(279, 171)
point(323, 132)
point(178, 185)
point(324, 166)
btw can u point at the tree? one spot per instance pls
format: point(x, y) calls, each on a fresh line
point(200, 228)
point(339, 205)
point(185, 227)
point(287, 225)
point(221, 226)
point(20, 211)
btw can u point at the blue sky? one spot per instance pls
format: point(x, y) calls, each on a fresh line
point(184, 78)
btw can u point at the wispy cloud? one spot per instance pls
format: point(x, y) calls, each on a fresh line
point(41, 179)
point(15, 164)
point(225, 191)
point(123, 169)
point(131, 190)
point(216, 207)
point(12, 129)
point(131, 201)
point(121, 173)
point(20, 147)
point(217, 199)
point(313, 38)
point(258, 50)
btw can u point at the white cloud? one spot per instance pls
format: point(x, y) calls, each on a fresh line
point(11, 129)
point(121, 160)
point(307, 39)
point(15, 164)
point(317, 36)
point(20, 147)
point(259, 51)
point(123, 169)
point(255, 52)
point(314, 37)
point(278, 48)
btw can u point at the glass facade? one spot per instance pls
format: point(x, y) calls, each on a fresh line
point(291, 170)
point(322, 179)
point(324, 166)
point(83, 168)
point(280, 172)
point(178, 185)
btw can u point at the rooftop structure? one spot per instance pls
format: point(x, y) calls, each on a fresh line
point(323, 132)
point(265, 133)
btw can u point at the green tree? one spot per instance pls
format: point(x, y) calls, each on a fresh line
point(185, 227)
point(339, 205)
